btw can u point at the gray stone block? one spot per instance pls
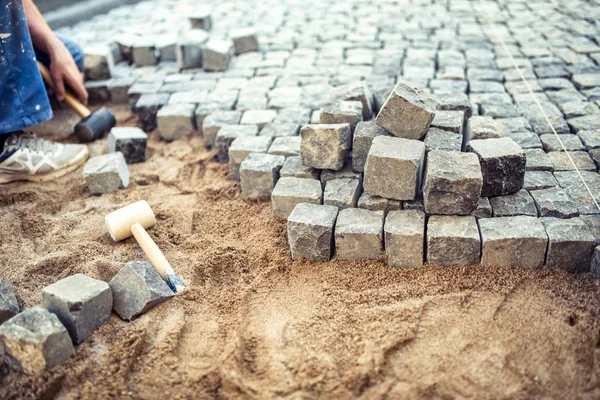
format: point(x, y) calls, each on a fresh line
point(538, 180)
point(570, 141)
point(342, 193)
point(408, 111)
point(394, 167)
point(227, 134)
point(502, 165)
point(216, 55)
point(35, 340)
point(259, 174)
point(451, 121)
point(453, 183)
point(280, 129)
point(554, 202)
point(484, 128)
point(538, 160)
point(358, 234)
point(9, 306)
point(510, 205)
point(571, 181)
point(258, 117)
point(571, 244)
point(438, 139)
point(289, 192)
point(591, 139)
point(81, 303)
point(376, 203)
point(404, 238)
point(484, 209)
point(188, 50)
point(244, 40)
point(593, 224)
point(294, 168)
point(106, 173)
point(240, 149)
point(310, 231)
point(175, 120)
point(355, 91)
point(201, 17)
point(455, 101)
point(342, 112)
point(561, 161)
point(136, 288)
point(287, 146)
point(147, 107)
point(143, 51)
point(364, 134)
point(325, 146)
point(452, 241)
point(130, 141)
point(213, 122)
point(98, 62)
point(345, 172)
point(513, 242)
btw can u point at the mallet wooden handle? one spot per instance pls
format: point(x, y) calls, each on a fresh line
point(157, 258)
point(79, 108)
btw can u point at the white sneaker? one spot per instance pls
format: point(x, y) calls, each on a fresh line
point(29, 158)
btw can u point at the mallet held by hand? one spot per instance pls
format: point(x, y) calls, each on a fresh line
point(134, 219)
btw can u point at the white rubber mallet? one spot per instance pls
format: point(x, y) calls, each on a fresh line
point(134, 219)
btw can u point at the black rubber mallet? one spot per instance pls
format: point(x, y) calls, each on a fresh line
point(92, 125)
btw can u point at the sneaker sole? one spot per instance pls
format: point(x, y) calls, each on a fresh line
point(75, 163)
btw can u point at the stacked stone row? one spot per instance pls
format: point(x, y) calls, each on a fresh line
point(72, 309)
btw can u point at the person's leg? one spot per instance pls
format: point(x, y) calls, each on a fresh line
point(73, 48)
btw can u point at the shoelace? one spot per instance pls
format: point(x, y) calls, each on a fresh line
point(32, 142)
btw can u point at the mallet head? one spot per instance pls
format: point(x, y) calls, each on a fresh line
point(119, 222)
point(95, 125)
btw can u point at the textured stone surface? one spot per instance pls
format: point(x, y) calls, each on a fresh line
point(287, 146)
point(358, 234)
point(342, 192)
point(130, 141)
point(310, 231)
point(484, 128)
point(259, 174)
point(82, 304)
point(551, 143)
point(188, 51)
point(394, 167)
point(452, 241)
point(175, 120)
point(106, 173)
point(438, 139)
point(376, 203)
point(325, 146)
point(240, 149)
point(571, 181)
point(213, 123)
point(554, 202)
point(291, 191)
point(518, 241)
point(280, 129)
point(484, 208)
point(538, 160)
point(136, 288)
point(570, 245)
point(537, 180)
point(35, 340)
point(510, 205)
point(408, 111)
point(294, 168)
point(216, 55)
point(590, 139)
point(355, 91)
point(404, 238)
point(453, 183)
point(451, 121)
point(244, 40)
point(561, 161)
point(147, 107)
point(502, 165)
point(364, 134)
point(97, 62)
point(258, 117)
point(341, 112)
point(455, 101)
point(345, 172)
point(9, 306)
point(595, 267)
point(227, 134)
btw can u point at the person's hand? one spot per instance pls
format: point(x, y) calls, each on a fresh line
point(64, 71)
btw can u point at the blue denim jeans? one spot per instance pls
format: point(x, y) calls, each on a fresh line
point(23, 97)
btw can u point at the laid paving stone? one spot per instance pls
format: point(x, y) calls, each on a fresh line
point(147, 107)
point(500, 111)
point(571, 181)
point(287, 146)
point(438, 139)
point(518, 241)
point(345, 172)
point(502, 165)
point(189, 97)
point(310, 231)
point(98, 62)
point(137, 288)
point(363, 137)
point(376, 203)
point(571, 142)
point(595, 155)
point(119, 89)
point(9, 306)
point(244, 40)
point(452, 121)
point(35, 340)
point(585, 123)
point(456, 102)
point(520, 203)
point(570, 244)
point(452, 241)
point(342, 193)
point(213, 123)
point(240, 149)
point(404, 233)
point(593, 224)
point(289, 192)
point(408, 111)
point(586, 81)
point(484, 128)
point(144, 52)
point(453, 183)
point(130, 141)
point(81, 303)
point(538, 160)
point(355, 91)
point(138, 89)
point(590, 139)
point(216, 55)
point(484, 208)
point(258, 117)
point(538, 180)
point(394, 168)
point(227, 134)
point(325, 146)
point(359, 234)
point(106, 173)
point(280, 129)
point(342, 112)
point(259, 174)
point(562, 162)
point(285, 97)
point(554, 202)
point(98, 91)
point(201, 17)
point(294, 168)
point(295, 115)
point(188, 50)
point(538, 121)
point(175, 121)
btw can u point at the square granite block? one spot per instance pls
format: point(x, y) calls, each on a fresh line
point(291, 191)
point(325, 146)
point(342, 192)
point(358, 234)
point(453, 241)
point(561, 161)
point(570, 245)
point(537, 180)
point(363, 137)
point(554, 202)
point(258, 175)
point(510, 205)
point(310, 231)
point(404, 233)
